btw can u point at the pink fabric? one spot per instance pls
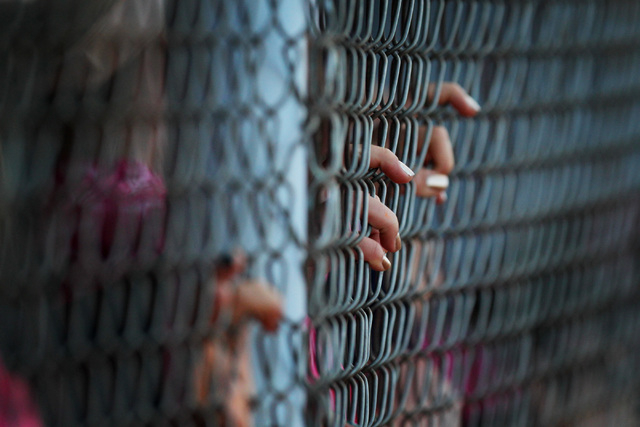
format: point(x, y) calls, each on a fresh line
point(16, 406)
point(92, 210)
point(122, 197)
point(106, 221)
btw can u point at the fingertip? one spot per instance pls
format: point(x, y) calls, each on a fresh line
point(376, 265)
point(271, 316)
point(389, 242)
point(272, 323)
point(406, 169)
point(472, 103)
point(458, 97)
point(387, 161)
point(380, 265)
point(397, 171)
point(467, 106)
point(373, 253)
point(258, 300)
point(386, 264)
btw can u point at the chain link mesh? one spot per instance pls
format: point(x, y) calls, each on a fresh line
point(143, 144)
point(146, 145)
point(515, 303)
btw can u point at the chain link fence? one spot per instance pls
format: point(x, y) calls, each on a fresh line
point(158, 156)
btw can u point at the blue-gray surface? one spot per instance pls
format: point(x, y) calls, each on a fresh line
point(142, 140)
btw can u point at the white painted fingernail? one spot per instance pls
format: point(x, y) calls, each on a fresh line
point(472, 102)
point(438, 181)
point(407, 169)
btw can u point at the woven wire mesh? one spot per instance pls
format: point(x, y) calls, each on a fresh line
point(515, 303)
point(145, 141)
point(143, 144)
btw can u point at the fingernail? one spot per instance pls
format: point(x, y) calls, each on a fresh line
point(386, 264)
point(407, 169)
point(438, 181)
point(398, 242)
point(472, 102)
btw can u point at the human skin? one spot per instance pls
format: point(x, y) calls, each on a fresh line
point(226, 360)
point(429, 181)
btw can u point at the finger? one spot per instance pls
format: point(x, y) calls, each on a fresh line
point(454, 94)
point(374, 254)
point(239, 399)
point(430, 183)
point(385, 221)
point(390, 165)
point(250, 299)
point(238, 406)
point(258, 300)
point(440, 151)
point(375, 236)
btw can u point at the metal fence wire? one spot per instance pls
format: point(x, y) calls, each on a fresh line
point(157, 157)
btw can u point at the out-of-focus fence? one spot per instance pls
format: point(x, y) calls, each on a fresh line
point(144, 142)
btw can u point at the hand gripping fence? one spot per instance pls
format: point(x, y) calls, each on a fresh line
point(185, 186)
